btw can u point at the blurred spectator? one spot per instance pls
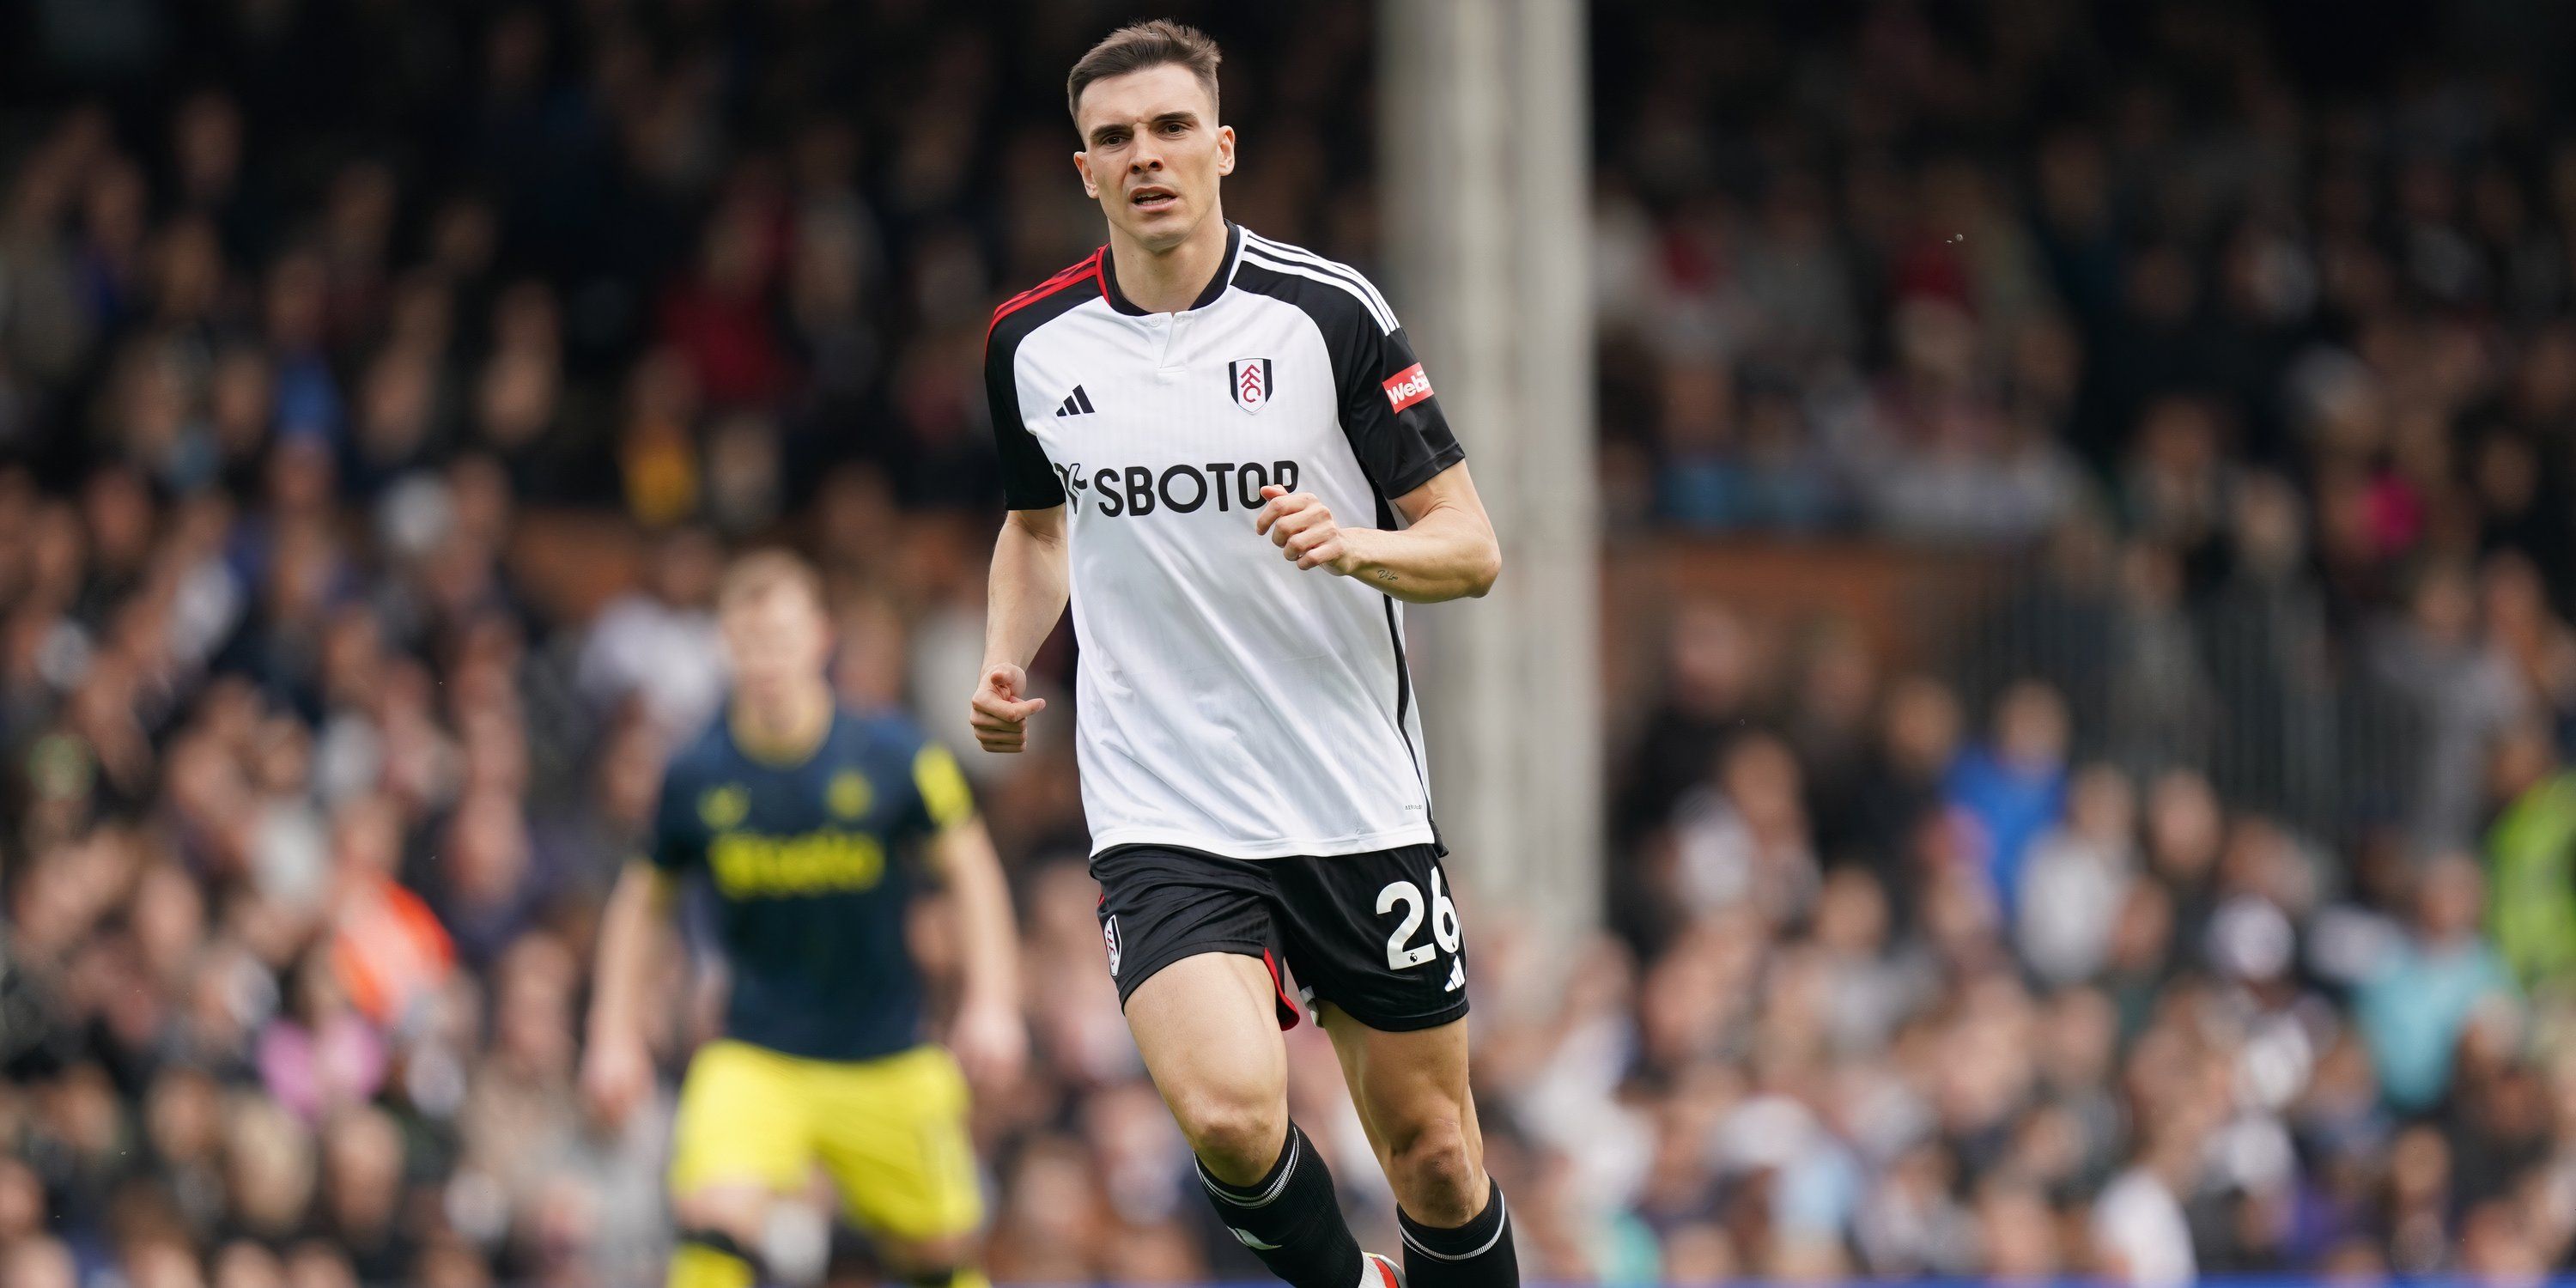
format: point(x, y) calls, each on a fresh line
point(2468, 693)
point(319, 1055)
point(2015, 786)
point(2072, 882)
point(2413, 1008)
point(1742, 843)
point(659, 643)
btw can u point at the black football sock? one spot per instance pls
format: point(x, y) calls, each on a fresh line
point(1290, 1219)
point(1475, 1255)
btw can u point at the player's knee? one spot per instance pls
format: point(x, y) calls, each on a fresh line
point(1434, 1176)
point(1237, 1132)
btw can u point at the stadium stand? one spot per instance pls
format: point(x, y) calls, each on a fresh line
point(380, 385)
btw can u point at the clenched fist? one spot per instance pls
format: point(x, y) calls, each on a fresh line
point(616, 1076)
point(1303, 528)
point(1001, 714)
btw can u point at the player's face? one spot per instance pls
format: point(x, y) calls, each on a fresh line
point(1153, 152)
point(777, 640)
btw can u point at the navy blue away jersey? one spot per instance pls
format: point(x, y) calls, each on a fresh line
point(808, 861)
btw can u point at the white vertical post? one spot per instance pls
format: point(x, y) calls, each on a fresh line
point(1485, 171)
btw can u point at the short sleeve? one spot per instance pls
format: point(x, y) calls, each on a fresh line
point(938, 799)
point(1029, 481)
point(1395, 425)
point(945, 798)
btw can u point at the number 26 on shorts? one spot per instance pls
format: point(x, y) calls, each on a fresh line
point(1401, 955)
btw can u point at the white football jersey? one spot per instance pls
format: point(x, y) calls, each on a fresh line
point(1225, 700)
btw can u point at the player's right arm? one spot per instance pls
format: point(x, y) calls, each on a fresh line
point(1030, 582)
point(617, 1065)
point(1031, 576)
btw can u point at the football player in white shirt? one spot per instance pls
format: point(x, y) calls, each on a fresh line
point(1206, 438)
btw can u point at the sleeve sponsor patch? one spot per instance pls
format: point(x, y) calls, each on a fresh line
point(1407, 387)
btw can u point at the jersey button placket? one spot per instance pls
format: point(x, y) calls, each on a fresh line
point(1168, 334)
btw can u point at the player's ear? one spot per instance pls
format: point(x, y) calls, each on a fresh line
point(1224, 150)
point(1082, 166)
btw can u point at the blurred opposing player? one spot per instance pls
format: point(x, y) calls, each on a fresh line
point(1193, 423)
point(805, 817)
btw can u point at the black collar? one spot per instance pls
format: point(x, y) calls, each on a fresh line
point(1216, 285)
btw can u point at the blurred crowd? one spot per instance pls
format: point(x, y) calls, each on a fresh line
point(2213, 909)
point(2207, 904)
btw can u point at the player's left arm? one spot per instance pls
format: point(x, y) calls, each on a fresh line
point(1446, 550)
point(988, 1037)
point(1401, 438)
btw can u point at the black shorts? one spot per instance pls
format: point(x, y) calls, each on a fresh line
point(1374, 934)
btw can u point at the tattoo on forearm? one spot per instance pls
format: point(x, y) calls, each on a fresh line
point(1386, 574)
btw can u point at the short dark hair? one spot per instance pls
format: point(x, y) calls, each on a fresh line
point(762, 571)
point(1134, 48)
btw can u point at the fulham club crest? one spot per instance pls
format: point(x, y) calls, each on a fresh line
point(1248, 379)
point(1109, 936)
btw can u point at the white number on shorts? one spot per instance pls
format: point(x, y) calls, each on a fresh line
point(1399, 957)
point(1444, 922)
point(1444, 916)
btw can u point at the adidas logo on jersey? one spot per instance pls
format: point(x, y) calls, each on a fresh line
point(1076, 403)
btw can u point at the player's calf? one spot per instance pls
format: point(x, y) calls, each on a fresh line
point(1413, 1091)
point(1457, 1228)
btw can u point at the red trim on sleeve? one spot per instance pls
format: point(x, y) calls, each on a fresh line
point(1088, 267)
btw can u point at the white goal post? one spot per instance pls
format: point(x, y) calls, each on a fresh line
point(1485, 174)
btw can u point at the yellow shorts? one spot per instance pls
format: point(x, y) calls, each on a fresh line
point(890, 1131)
